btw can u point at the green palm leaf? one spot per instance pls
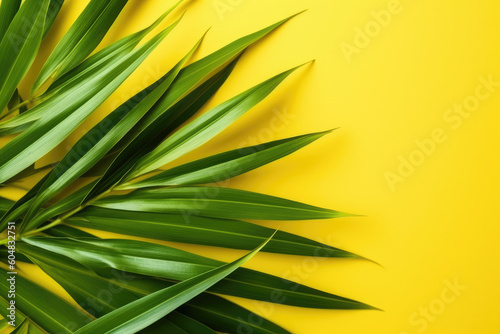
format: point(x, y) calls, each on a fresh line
point(160, 289)
point(60, 317)
point(201, 231)
point(225, 165)
point(147, 310)
point(8, 9)
point(19, 46)
point(50, 130)
point(117, 124)
point(81, 39)
point(174, 264)
point(216, 202)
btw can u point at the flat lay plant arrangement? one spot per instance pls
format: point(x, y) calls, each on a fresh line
point(127, 286)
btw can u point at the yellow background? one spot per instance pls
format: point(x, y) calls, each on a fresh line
point(438, 226)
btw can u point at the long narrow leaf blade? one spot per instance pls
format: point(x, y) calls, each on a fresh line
point(32, 300)
point(109, 131)
point(173, 264)
point(8, 9)
point(50, 130)
point(81, 39)
point(216, 202)
point(206, 126)
point(20, 45)
point(202, 231)
point(226, 165)
point(147, 310)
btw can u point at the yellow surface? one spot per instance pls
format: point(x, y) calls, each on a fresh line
point(431, 227)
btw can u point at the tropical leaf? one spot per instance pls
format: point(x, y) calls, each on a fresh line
point(143, 312)
point(206, 126)
point(120, 285)
point(216, 202)
point(20, 45)
point(225, 165)
point(8, 9)
point(50, 130)
point(81, 39)
point(118, 123)
point(122, 288)
point(54, 8)
point(171, 112)
point(174, 264)
point(60, 317)
point(201, 231)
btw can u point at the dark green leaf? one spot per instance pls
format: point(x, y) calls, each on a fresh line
point(201, 231)
point(205, 127)
point(53, 128)
point(8, 9)
point(19, 46)
point(217, 203)
point(226, 165)
point(173, 264)
point(81, 39)
point(32, 300)
point(143, 312)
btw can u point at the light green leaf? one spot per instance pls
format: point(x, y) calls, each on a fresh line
point(202, 231)
point(53, 128)
point(216, 202)
point(20, 45)
point(226, 165)
point(74, 86)
point(206, 126)
point(122, 288)
point(8, 9)
point(145, 311)
point(109, 132)
point(227, 317)
point(171, 113)
point(32, 300)
point(81, 39)
point(54, 8)
point(173, 264)
point(23, 328)
point(146, 140)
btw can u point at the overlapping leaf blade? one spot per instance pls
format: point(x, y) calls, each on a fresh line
point(174, 264)
point(32, 299)
point(202, 231)
point(216, 202)
point(170, 112)
point(147, 310)
point(109, 131)
point(81, 39)
point(209, 309)
point(20, 45)
point(8, 9)
point(206, 126)
point(225, 165)
point(56, 97)
point(146, 140)
point(51, 129)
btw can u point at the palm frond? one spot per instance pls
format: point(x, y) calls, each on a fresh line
point(117, 183)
